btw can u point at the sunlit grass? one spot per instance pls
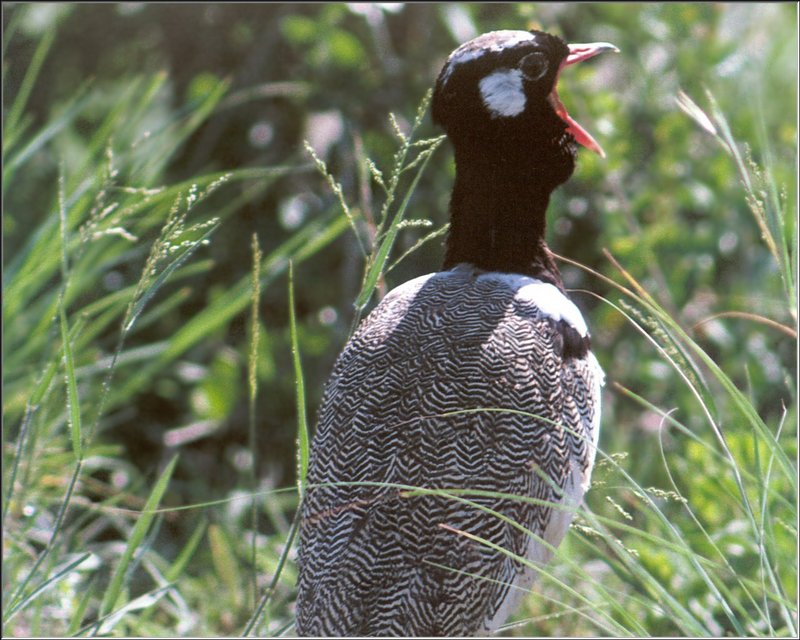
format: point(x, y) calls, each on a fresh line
point(710, 550)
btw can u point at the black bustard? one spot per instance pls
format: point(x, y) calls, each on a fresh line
point(477, 379)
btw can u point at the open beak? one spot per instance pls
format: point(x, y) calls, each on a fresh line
point(579, 53)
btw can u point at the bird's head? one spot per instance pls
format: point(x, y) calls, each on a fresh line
point(497, 92)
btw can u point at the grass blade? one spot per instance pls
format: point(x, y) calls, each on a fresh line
point(378, 263)
point(162, 277)
point(137, 536)
point(252, 383)
point(226, 565)
point(232, 302)
point(32, 72)
point(300, 395)
point(267, 597)
point(181, 562)
point(145, 601)
point(53, 128)
point(80, 611)
point(73, 402)
point(59, 575)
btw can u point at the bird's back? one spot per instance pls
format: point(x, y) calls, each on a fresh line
point(462, 380)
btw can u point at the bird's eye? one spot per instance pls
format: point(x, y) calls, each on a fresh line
point(533, 66)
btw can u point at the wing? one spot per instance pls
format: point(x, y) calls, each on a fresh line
point(453, 382)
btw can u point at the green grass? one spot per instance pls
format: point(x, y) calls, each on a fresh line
point(690, 527)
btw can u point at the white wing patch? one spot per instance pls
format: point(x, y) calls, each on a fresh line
point(550, 301)
point(553, 303)
point(502, 93)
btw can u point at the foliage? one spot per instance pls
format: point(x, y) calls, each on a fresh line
point(155, 373)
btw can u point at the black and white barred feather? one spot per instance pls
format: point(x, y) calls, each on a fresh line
point(461, 380)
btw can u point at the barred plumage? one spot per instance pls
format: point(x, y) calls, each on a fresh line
point(477, 379)
point(404, 407)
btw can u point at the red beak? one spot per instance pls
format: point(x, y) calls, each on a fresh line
point(579, 53)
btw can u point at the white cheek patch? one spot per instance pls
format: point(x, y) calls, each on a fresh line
point(502, 93)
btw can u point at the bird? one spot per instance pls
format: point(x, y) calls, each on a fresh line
point(457, 432)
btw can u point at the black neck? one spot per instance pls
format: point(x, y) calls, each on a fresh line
point(498, 216)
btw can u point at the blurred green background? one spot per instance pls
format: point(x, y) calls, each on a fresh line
point(121, 107)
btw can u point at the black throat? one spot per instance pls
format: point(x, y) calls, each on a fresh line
point(499, 205)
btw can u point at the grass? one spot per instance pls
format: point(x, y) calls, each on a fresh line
point(692, 531)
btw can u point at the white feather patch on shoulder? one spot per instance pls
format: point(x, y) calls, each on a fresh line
point(545, 296)
point(553, 303)
point(550, 301)
point(502, 93)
